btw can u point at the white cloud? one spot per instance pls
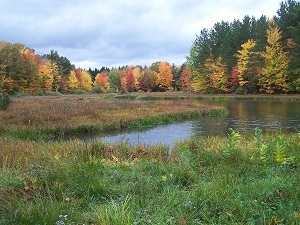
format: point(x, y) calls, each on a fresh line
point(96, 33)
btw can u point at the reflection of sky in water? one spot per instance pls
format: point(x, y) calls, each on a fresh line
point(244, 116)
point(167, 134)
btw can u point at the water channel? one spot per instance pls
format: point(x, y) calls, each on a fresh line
point(244, 115)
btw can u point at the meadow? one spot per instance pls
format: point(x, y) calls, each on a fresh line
point(237, 179)
point(35, 116)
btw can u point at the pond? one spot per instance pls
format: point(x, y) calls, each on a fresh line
point(244, 115)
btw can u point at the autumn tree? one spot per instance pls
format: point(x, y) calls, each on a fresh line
point(137, 75)
point(213, 79)
point(64, 64)
point(185, 79)
point(217, 72)
point(130, 80)
point(148, 80)
point(247, 67)
point(73, 82)
point(85, 82)
point(164, 76)
point(102, 82)
point(273, 77)
point(123, 79)
point(233, 79)
point(17, 69)
point(288, 17)
point(200, 81)
point(46, 75)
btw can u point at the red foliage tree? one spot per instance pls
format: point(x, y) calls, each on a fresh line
point(233, 79)
point(185, 79)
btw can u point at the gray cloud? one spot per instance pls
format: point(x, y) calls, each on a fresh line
point(95, 33)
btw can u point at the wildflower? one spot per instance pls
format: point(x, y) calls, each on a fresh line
point(189, 204)
point(163, 178)
point(197, 221)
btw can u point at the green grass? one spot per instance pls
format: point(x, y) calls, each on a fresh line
point(239, 179)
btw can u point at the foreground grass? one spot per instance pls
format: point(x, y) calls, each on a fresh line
point(251, 179)
point(28, 117)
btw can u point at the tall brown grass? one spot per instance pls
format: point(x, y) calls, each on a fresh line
point(75, 112)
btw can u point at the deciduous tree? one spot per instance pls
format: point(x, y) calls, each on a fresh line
point(185, 79)
point(85, 81)
point(46, 75)
point(246, 67)
point(115, 79)
point(73, 82)
point(273, 77)
point(137, 75)
point(102, 82)
point(164, 76)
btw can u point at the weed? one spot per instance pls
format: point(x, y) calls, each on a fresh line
point(4, 101)
point(231, 147)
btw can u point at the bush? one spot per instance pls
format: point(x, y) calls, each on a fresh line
point(79, 92)
point(4, 101)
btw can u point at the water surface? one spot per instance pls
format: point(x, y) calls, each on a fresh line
point(244, 115)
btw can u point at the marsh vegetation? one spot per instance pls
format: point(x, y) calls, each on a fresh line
point(249, 178)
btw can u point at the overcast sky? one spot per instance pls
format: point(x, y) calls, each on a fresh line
point(96, 33)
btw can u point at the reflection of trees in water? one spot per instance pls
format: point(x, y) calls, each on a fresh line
point(246, 115)
point(243, 116)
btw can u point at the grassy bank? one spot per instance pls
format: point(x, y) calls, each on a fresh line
point(250, 179)
point(190, 95)
point(27, 117)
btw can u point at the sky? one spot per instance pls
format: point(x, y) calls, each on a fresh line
point(113, 33)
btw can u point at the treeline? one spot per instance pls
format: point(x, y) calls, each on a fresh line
point(249, 56)
point(21, 70)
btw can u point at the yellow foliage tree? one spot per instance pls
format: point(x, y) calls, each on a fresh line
point(243, 62)
point(73, 81)
point(199, 83)
point(164, 76)
point(137, 75)
point(273, 77)
point(213, 77)
point(217, 74)
point(86, 81)
point(46, 75)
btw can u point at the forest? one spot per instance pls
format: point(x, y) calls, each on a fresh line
point(243, 57)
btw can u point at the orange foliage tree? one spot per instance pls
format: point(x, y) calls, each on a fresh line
point(102, 82)
point(164, 76)
point(185, 79)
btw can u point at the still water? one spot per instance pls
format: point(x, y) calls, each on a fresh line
point(270, 116)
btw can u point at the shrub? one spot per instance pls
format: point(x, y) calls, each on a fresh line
point(4, 101)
